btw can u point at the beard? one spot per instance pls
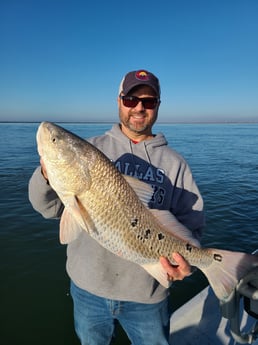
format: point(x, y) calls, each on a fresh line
point(137, 122)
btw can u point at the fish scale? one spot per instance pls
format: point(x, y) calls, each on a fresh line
point(118, 195)
point(126, 237)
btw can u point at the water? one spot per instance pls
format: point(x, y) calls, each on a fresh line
point(35, 305)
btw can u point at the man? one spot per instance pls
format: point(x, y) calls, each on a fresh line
point(105, 287)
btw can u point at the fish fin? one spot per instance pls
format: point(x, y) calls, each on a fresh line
point(174, 227)
point(157, 271)
point(73, 220)
point(143, 190)
point(69, 229)
point(227, 269)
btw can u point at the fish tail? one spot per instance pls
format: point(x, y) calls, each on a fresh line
point(227, 269)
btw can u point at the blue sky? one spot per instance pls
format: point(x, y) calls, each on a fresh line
point(63, 60)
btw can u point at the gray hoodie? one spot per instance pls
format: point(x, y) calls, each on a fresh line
point(89, 265)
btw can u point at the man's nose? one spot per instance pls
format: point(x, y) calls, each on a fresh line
point(139, 106)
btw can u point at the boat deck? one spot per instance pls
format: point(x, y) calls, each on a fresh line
point(199, 322)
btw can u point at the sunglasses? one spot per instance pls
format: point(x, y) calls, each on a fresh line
point(147, 102)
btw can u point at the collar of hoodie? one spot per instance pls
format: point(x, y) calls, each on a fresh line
point(143, 144)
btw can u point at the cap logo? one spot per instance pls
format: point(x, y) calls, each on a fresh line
point(142, 75)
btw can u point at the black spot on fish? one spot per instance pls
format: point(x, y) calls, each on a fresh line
point(134, 222)
point(160, 236)
point(217, 257)
point(147, 234)
point(139, 237)
point(189, 247)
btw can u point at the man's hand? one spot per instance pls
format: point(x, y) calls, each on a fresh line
point(179, 271)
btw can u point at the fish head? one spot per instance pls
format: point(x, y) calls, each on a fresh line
point(61, 152)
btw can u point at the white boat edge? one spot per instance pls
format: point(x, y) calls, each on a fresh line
point(199, 322)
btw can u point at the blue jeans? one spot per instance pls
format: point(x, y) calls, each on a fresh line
point(94, 319)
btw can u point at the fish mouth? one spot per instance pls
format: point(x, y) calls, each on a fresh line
point(43, 132)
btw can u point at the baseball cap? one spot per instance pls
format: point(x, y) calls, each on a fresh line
point(140, 77)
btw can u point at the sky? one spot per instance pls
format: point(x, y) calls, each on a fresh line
point(64, 60)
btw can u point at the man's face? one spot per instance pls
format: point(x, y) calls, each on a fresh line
point(138, 120)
